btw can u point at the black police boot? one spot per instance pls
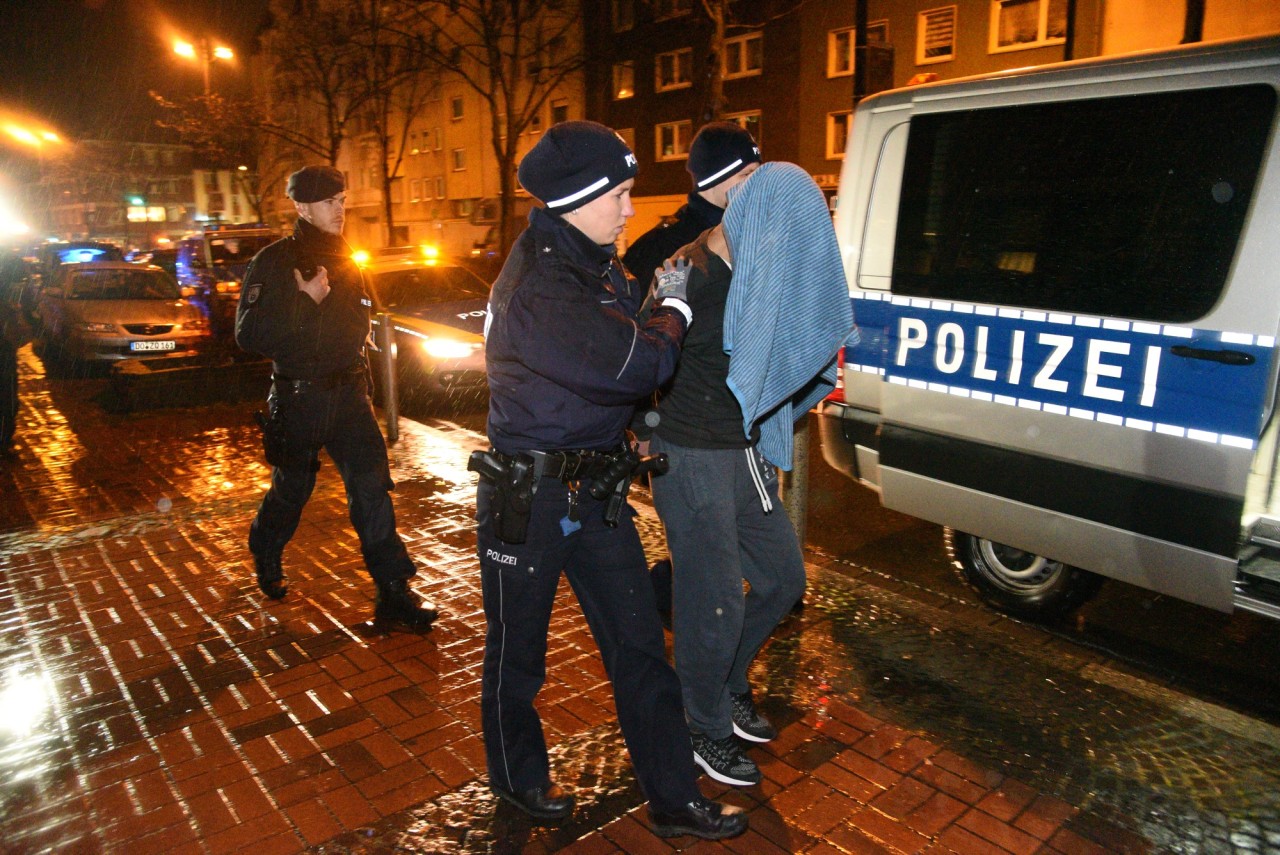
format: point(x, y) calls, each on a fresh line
point(400, 608)
point(700, 818)
point(270, 574)
point(547, 803)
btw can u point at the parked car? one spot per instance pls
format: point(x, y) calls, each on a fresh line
point(107, 311)
point(213, 264)
point(49, 259)
point(437, 310)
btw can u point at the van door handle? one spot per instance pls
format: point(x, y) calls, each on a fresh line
point(1226, 357)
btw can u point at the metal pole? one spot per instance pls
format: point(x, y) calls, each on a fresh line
point(390, 394)
point(795, 497)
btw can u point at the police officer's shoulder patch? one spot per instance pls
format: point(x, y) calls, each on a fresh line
point(252, 293)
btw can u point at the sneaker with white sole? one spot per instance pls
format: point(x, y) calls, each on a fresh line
point(748, 723)
point(724, 761)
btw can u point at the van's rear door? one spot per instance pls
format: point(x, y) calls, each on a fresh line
point(1079, 344)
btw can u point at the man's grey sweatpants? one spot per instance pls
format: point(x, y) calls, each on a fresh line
point(711, 502)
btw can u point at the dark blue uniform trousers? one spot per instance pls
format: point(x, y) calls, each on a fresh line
point(340, 420)
point(606, 568)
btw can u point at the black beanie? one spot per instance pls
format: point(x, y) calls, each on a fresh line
point(575, 162)
point(720, 151)
point(315, 184)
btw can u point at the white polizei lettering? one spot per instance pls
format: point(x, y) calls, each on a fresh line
point(1149, 376)
point(949, 354)
point(1061, 345)
point(499, 557)
point(980, 369)
point(912, 334)
point(1095, 368)
point(1015, 357)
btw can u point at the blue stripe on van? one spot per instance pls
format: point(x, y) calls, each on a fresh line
point(1112, 371)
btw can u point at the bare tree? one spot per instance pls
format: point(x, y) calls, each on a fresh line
point(400, 78)
point(317, 75)
point(514, 54)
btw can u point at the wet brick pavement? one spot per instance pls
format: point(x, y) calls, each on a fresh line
point(151, 701)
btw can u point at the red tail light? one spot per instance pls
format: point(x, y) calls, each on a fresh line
point(837, 394)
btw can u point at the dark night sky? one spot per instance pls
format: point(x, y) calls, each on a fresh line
point(85, 66)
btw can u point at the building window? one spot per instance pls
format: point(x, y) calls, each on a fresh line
point(439, 182)
point(673, 70)
point(456, 111)
point(462, 208)
point(838, 133)
point(936, 35)
point(743, 55)
point(397, 191)
point(840, 45)
point(559, 110)
point(624, 15)
point(459, 158)
point(535, 124)
point(671, 8)
point(415, 190)
point(1018, 24)
point(624, 80)
point(672, 140)
point(749, 122)
point(436, 139)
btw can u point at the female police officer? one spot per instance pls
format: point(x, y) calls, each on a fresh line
point(566, 361)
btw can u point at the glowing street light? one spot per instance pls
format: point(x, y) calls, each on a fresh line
point(205, 52)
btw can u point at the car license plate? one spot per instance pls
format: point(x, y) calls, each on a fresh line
point(152, 345)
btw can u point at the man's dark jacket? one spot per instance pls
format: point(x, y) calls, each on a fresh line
point(305, 340)
point(660, 242)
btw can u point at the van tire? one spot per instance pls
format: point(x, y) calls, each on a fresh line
point(1020, 584)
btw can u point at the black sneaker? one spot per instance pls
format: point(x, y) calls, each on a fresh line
point(748, 723)
point(723, 760)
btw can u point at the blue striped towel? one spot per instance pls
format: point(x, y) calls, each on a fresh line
point(788, 310)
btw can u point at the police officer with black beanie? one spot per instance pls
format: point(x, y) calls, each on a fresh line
point(304, 305)
point(566, 360)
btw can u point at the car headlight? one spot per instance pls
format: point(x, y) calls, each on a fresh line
point(96, 327)
point(448, 348)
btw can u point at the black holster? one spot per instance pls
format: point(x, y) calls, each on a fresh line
point(612, 485)
point(514, 485)
point(275, 442)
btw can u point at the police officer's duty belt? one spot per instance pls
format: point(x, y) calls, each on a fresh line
point(344, 377)
point(565, 465)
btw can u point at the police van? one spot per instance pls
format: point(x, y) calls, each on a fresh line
point(1067, 282)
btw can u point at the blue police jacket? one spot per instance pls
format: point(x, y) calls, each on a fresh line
point(567, 360)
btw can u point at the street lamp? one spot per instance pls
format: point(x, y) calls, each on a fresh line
point(205, 52)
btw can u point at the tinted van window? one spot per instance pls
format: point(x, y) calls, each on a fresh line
point(1128, 206)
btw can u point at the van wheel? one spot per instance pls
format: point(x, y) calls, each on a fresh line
point(1019, 583)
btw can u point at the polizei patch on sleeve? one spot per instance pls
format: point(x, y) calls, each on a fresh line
point(252, 293)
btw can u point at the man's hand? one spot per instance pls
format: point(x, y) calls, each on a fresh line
point(672, 280)
point(317, 288)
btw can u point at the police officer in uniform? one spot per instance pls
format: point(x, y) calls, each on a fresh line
point(566, 361)
point(305, 306)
